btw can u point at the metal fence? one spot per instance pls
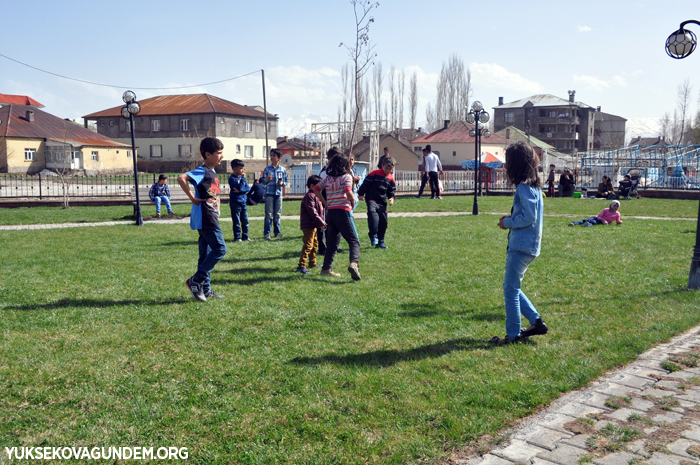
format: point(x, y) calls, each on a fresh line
point(46, 187)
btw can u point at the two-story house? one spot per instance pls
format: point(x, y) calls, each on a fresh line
point(567, 125)
point(169, 128)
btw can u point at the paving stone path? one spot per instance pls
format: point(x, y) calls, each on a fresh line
point(647, 413)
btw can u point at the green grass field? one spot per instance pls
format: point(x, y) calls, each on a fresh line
point(102, 344)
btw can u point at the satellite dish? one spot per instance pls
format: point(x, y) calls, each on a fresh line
point(286, 159)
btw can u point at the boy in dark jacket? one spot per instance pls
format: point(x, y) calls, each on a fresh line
point(237, 201)
point(378, 188)
point(160, 192)
point(310, 222)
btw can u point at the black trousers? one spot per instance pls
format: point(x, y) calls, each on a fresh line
point(434, 184)
point(423, 182)
point(340, 223)
point(377, 220)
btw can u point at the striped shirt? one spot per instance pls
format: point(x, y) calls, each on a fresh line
point(336, 187)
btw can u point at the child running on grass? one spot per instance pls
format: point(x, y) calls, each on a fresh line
point(377, 189)
point(310, 222)
point(524, 240)
point(339, 220)
point(607, 216)
point(205, 217)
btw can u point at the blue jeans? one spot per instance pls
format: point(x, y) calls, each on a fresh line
point(239, 217)
point(517, 303)
point(273, 212)
point(212, 249)
point(165, 200)
point(592, 221)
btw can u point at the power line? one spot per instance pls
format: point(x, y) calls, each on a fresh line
point(126, 87)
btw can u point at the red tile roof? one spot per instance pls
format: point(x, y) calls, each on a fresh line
point(458, 133)
point(6, 99)
point(14, 123)
point(185, 105)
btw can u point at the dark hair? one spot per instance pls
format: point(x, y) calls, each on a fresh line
point(259, 180)
point(210, 145)
point(428, 148)
point(338, 165)
point(552, 166)
point(332, 152)
point(521, 164)
point(161, 177)
point(389, 160)
point(386, 149)
point(313, 179)
point(236, 162)
point(381, 162)
point(276, 152)
point(628, 176)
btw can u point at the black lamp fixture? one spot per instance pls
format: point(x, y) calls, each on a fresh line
point(679, 45)
point(478, 116)
point(132, 108)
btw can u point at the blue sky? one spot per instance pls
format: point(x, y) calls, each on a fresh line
point(610, 52)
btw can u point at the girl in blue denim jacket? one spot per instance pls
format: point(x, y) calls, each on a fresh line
point(524, 238)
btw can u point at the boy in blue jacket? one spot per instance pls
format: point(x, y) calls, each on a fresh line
point(160, 193)
point(237, 201)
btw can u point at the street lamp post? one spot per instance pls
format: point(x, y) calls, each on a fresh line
point(679, 45)
point(478, 116)
point(132, 108)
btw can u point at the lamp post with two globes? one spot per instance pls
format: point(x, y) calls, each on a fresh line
point(679, 45)
point(132, 108)
point(478, 116)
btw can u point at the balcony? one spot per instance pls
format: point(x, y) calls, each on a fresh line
point(559, 119)
point(560, 135)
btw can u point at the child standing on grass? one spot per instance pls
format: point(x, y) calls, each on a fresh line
point(339, 220)
point(275, 178)
point(607, 216)
point(160, 192)
point(205, 217)
point(237, 201)
point(310, 222)
point(524, 240)
point(377, 189)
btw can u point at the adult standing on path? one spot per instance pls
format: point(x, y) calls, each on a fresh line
point(433, 166)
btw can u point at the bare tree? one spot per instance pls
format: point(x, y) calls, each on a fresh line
point(377, 82)
point(683, 105)
point(402, 84)
point(392, 98)
point(453, 90)
point(413, 99)
point(430, 116)
point(666, 127)
point(61, 158)
point(361, 53)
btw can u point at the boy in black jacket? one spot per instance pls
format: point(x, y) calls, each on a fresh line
point(378, 188)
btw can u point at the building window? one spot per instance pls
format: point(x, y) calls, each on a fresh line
point(248, 126)
point(552, 113)
point(238, 148)
point(128, 154)
point(29, 154)
point(155, 125)
point(156, 151)
point(248, 151)
point(184, 125)
point(111, 122)
point(95, 156)
point(128, 126)
point(454, 154)
point(184, 151)
point(269, 126)
point(510, 117)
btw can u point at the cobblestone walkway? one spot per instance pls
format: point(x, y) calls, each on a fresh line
point(645, 413)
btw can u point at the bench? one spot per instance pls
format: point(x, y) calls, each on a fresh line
point(177, 195)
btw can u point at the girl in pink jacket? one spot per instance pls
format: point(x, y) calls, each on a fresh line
point(607, 216)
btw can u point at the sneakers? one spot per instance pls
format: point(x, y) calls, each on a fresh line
point(506, 341)
point(375, 241)
point(213, 295)
point(196, 290)
point(439, 197)
point(571, 224)
point(536, 329)
point(381, 245)
point(267, 237)
point(302, 270)
point(354, 270)
point(170, 214)
point(247, 239)
point(279, 235)
point(585, 224)
point(238, 240)
point(330, 272)
point(157, 214)
point(417, 196)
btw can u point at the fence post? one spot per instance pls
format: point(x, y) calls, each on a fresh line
point(39, 186)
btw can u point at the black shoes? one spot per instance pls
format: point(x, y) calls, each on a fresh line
point(506, 341)
point(196, 290)
point(536, 329)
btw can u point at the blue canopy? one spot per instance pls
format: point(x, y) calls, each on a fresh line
point(470, 164)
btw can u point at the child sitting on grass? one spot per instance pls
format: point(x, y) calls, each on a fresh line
point(607, 216)
point(378, 189)
point(310, 222)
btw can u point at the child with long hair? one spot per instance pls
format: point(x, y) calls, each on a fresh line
point(339, 203)
point(524, 239)
point(607, 216)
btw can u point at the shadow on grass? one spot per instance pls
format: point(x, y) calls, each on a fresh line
point(283, 256)
point(68, 303)
point(420, 310)
point(386, 358)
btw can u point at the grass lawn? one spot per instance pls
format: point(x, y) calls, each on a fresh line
point(102, 344)
point(664, 208)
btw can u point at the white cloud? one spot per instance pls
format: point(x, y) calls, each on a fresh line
point(493, 75)
point(597, 84)
point(583, 29)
